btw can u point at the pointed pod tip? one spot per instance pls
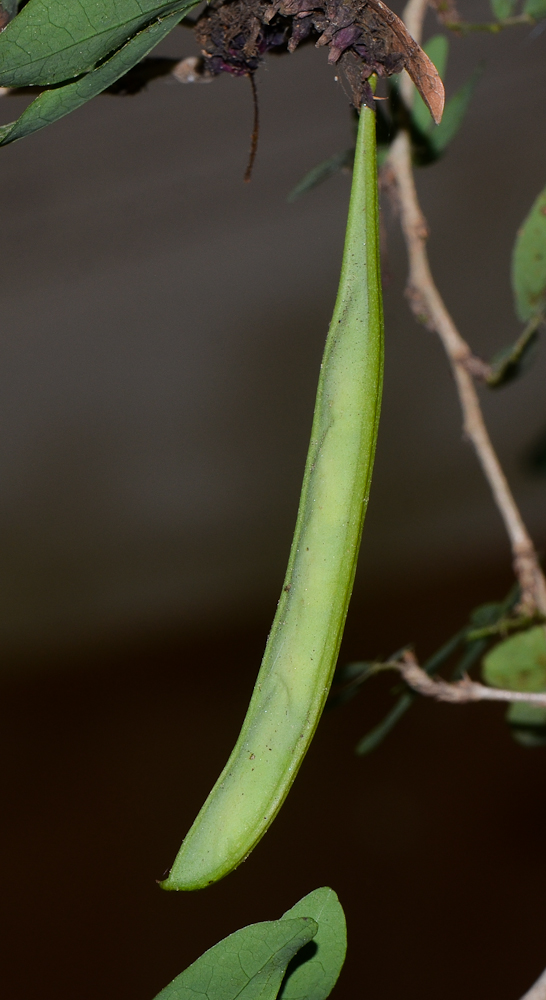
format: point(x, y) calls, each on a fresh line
point(164, 881)
point(179, 879)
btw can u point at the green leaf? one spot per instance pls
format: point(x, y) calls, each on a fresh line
point(535, 8)
point(529, 262)
point(437, 49)
point(441, 135)
point(322, 172)
point(512, 361)
point(503, 8)
point(313, 976)
point(51, 41)
point(431, 140)
point(518, 663)
point(54, 104)
point(523, 714)
point(528, 724)
point(359, 671)
point(375, 736)
point(536, 458)
point(248, 965)
point(482, 617)
point(257, 961)
point(486, 614)
point(344, 161)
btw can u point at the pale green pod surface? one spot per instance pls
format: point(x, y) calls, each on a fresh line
point(302, 649)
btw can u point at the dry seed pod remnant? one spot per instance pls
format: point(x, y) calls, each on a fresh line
point(364, 37)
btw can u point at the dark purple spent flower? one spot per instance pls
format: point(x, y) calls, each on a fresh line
point(364, 37)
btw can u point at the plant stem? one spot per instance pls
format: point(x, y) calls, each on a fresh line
point(493, 27)
point(458, 692)
point(427, 304)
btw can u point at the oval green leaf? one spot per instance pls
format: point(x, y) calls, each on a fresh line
point(518, 663)
point(454, 114)
point(315, 977)
point(248, 965)
point(437, 49)
point(529, 262)
point(503, 8)
point(535, 8)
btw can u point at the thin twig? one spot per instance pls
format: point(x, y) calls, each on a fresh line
point(493, 27)
point(457, 692)
point(428, 306)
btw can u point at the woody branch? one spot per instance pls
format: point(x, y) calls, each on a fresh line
point(428, 306)
point(457, 692)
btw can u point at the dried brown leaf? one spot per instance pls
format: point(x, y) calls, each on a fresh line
point(422, 71)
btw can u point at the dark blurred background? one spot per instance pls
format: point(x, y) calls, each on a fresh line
point(162, 327)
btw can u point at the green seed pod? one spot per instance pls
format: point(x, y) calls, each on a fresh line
point(302, 649)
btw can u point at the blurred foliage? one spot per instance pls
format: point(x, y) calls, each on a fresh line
point(322, 172)
point(535, 8)
point(536, 458)
point(513, 361)
point(437, 49)
point(528, 275)
point(519, 664)
point(503, 8)
point(529, 262)
point(429, 141)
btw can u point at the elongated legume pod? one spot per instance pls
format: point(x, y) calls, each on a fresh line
point(302, 649)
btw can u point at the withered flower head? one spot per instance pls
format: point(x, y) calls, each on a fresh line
point(363, 37)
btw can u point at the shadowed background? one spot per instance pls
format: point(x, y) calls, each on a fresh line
point(162, 327)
